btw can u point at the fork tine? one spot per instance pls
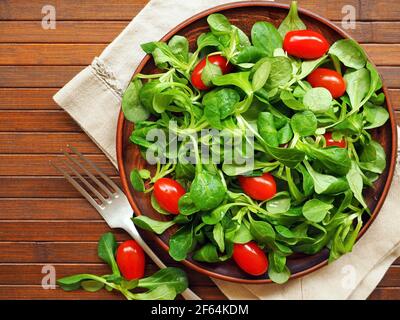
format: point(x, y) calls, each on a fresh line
point(77, 186)
point(97, 181)
point(104, 176)
point(85, 182)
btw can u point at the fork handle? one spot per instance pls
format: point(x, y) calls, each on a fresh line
point(131, 229)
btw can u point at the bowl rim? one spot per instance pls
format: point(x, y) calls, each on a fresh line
point(121, 124)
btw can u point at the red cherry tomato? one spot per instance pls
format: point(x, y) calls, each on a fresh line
point(131, 260)
point(328, 79)
point(332, 143)
point(216, 59)
point(250, 258)
point(259, 188)
point(167, 193)
point(305, 44)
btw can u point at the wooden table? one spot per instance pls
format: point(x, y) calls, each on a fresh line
point(43, 220)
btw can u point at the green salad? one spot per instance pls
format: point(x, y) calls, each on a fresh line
point(296, 110)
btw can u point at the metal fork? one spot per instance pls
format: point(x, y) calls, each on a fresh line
point(114, 208)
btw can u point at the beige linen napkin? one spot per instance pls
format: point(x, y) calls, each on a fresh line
point(93, 99)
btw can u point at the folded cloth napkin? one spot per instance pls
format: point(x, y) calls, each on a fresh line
point(93, 99)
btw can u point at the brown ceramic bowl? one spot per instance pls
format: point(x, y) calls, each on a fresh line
point(244, 15)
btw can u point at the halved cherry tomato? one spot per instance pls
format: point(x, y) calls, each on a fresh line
point(328, 79)
point(250, 258)
point(305, 44)
point(259, 188)
point(131, 260)
point(216, 59)
point(332, 143)
point(167, 193)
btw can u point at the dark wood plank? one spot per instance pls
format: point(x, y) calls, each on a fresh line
point(65, 32)
point(365, 10)
point(49, 54)
point(395, 98)
point(47, 209)
point(106, 31)
point(53, 252)
point(38, 187)
point(31, 274)
point(14, 292)
point(384, 54)
point(37, 76)
point(379, 10)
point(49, 252)
point(40, 143)
point(390, 76)
point(392, 293)
point(79, 252)
point(123, 10)
point(72, 9)
point(391, 278)
point(26, 99)
point(38, 165)
point(83, 54)
point(43, 252)
point(37, 121)
point(374, 31)
point(57, 76)
point(56, 231)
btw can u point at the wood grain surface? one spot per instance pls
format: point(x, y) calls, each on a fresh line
point(43, 220)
